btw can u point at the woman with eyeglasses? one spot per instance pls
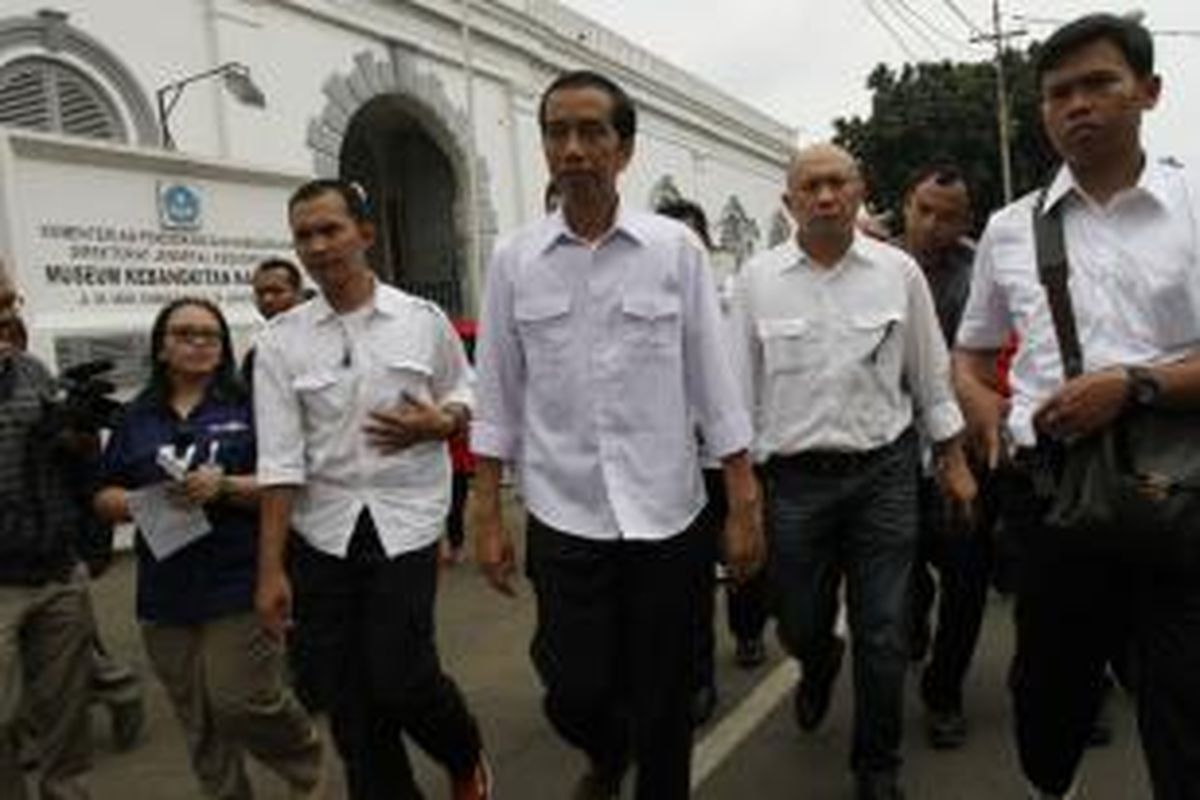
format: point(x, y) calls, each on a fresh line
point(189, 438)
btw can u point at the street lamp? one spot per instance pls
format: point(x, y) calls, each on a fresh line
point(237, 81)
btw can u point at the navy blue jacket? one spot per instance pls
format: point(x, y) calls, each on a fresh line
point(213, 576)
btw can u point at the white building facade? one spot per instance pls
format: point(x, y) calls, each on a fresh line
point(430, 104)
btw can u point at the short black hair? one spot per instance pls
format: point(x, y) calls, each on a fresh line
point(943, 173)
point(1129, 35)
point(352, 194)
point(293, 272)
point(624, 114)
point(689, 213)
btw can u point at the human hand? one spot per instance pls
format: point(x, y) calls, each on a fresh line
point(1084, 405)
point(413, 421)
point(273, 602)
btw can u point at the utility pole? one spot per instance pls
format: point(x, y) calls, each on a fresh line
point(999, 37)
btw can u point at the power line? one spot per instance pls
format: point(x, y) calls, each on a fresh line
point(892, 32)
point(897, 9)
point(956, 9)
point(929, 25)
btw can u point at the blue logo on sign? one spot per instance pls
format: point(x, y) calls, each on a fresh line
point(180, 206)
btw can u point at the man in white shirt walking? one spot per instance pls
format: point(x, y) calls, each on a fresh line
point(845, 356)
point(1129, 226)
point(599, 355)
point(355, 394)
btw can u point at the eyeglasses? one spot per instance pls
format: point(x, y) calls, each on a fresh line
point(206, 337)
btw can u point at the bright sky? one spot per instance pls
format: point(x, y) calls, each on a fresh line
point(805, 62)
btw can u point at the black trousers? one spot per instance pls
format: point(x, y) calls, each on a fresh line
point(1078, 611)
point(456, 531)
point(746, 605)
point(613, 646)
point(963, 561)
point(366, 654)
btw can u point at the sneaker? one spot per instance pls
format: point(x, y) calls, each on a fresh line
point(811, 702)
point(946, 730)
point(750, 653)
point(477, 785)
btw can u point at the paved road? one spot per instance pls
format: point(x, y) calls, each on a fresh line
point(484, 641)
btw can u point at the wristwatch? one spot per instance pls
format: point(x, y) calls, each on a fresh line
point(1144, 388)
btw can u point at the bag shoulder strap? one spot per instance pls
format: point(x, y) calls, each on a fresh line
point(1051, 247)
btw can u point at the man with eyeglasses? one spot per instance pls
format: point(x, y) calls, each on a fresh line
point(45, 614)
point(600, 355)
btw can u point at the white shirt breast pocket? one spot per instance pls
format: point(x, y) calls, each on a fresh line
point(543, 324)
point(789, 345)
point(651, 320)
point(323, 394)
point(874, 341)
point(401, 380)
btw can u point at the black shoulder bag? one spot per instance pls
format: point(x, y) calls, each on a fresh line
point(1133, 490)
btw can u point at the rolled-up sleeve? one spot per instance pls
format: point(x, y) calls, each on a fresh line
point(985, 322)
point(500, 368)
point(714, 394)
point(278, 423)
point(453, 379)
point(927, 364)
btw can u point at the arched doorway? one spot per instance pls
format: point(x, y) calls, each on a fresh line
point(414, 192)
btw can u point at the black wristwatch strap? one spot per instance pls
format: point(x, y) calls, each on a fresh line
point(1144, 387)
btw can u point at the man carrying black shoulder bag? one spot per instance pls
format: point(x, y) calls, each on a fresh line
point(1099, 275)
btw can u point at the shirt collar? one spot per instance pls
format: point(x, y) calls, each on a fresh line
point(1151, 182)
point(794, 255)
point(555, 231)
point(381, 302)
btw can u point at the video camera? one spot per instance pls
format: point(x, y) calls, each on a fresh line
point(84, 403)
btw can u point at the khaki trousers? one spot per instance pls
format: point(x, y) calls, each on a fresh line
point(225, 678)
point(45, 665)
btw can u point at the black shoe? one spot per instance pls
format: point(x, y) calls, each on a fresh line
point(704, 703)
point(878, 786)
point(815, 690)
point(946, 730)
point(128, 719)
point(750, 653)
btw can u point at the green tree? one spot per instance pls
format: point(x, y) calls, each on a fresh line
point(947, 111)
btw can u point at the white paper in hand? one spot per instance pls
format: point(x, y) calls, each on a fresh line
point(165, 526)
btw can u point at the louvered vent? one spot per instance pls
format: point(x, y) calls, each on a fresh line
point(47, 95)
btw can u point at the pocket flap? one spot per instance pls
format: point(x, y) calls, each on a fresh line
point(312, 381)
point(535, 307)
point(409, 365)
point(782, 328)
point(651, 306)
point(874, 320)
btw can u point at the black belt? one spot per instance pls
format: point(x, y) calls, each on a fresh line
point(837, 462)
